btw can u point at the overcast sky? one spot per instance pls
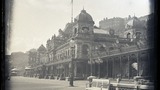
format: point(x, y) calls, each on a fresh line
point(35, 21)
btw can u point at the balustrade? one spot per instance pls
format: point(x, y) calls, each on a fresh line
point(117, 51)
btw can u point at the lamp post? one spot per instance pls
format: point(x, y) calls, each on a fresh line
point(71, 64)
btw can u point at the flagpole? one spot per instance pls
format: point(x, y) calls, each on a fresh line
point(72, 11)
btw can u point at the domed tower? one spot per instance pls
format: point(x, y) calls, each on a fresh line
point(83, 34)
point(83, 25)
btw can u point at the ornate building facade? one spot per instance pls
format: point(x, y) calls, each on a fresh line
point(94, 51)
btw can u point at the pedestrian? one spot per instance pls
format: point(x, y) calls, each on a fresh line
point(58, 76)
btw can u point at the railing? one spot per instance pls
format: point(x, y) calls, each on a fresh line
point(123, 50)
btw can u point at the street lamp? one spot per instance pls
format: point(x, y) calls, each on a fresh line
point(71, 64)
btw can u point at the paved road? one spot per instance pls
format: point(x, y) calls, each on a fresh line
point(25, 83)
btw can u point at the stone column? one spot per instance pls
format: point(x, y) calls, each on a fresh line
point(107, 68)
point(113, 69)
point(149, 64)
point(120, 60)
point(128, 68)
point(138, 64)
point(64, 70)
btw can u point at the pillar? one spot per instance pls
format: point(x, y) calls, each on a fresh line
point(99, 70)
point(91, 67)
point(149, 62)
point(94, 69)
point(86, 69)
point(64, 70)
point(128, 68)
point(113, 69)
point(138, 64)
point(120, 60)
point(107, 68)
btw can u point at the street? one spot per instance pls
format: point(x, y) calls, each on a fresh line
point(26, 83)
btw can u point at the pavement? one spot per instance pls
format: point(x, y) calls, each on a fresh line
point(27, 83)
point(30, 83)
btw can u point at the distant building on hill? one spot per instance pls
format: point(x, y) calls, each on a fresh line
point(19, 60)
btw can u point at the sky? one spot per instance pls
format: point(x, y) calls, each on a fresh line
point(35, 21)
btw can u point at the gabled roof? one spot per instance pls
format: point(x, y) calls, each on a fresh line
point(42, 49)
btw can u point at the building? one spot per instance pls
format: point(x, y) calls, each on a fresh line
point(116, 23)
point(93, 51)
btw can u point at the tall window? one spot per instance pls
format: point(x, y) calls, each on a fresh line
point(85, 50)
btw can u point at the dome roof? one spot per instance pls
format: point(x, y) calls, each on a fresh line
point(84, 17)
point(134, 23)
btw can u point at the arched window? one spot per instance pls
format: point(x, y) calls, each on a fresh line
point(128, 35)
point(75, 31)
point(85, 50)
point(138, 35)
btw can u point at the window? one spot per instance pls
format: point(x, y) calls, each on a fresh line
point(85, 50)
point(75, 31)
point(138, 35)
point(128, 35)
point(85, 29)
